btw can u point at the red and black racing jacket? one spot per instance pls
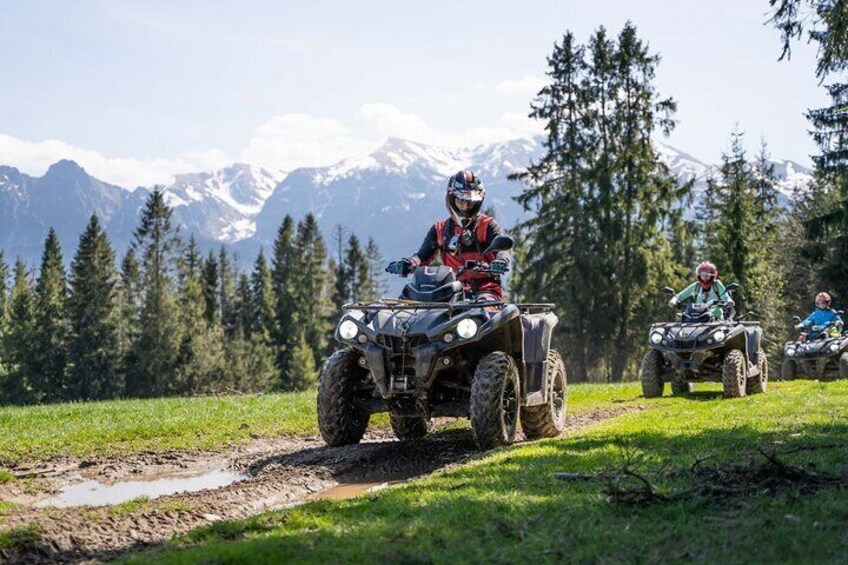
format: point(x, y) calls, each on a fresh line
point(484, 230)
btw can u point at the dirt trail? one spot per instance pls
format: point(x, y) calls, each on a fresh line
point(282, 473)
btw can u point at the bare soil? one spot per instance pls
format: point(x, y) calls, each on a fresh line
point(283, 472)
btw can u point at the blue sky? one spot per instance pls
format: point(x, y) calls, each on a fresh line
point(137, 91)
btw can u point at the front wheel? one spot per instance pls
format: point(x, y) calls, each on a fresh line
point(788, 369)
point(734, 374)
point(495, 400)
point(548, 420)
point(760, 384)
point(651, 374)
point(341, 420)
point(679, 386)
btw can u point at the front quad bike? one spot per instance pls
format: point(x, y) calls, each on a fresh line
point(436, 352)
point(700, 348)
point(816, 354)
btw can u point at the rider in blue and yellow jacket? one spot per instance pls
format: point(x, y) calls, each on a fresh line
point(822, 316)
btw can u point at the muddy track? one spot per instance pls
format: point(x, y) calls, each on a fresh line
point(282, 472)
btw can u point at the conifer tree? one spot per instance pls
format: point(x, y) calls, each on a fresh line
point(157, 347)
point(4, 314)
point(16, 387)
point(262, 292)
point(49, 348)
point(128, 323)
point(211, 282)
point(359, 272)
point(92, 304)
point(376, 268)
point(227, 294)
point(302, 373)
point(283, 277)
point(311, 288)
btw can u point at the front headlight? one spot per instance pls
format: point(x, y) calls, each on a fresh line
point(466, 328)
point(348, 329)
point(790, 352)
point(834, 347)
point(719, 335)
point(656, 337)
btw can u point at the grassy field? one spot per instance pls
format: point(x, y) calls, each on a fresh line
point(713, 497)
point(125, 426)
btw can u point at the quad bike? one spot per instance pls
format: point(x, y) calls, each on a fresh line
point(438, 352)
point(700, 348)
point(816, 354)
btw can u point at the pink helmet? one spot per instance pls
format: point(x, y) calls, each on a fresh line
point(706, 273)
point(822, 300)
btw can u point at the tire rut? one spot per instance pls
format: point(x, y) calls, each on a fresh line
point(283, 473)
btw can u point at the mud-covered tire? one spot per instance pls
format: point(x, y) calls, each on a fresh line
point(340, 420)
point(843, 366)
point(788, 370)
point(495, 400)
point(651, 374)
point(548, 420)
point(734, 374)
point(679, 387)
point(759, 384)
point(410, 427)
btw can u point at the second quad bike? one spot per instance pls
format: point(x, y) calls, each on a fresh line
point(438, 352)
point(818, 353)
point(701, 348)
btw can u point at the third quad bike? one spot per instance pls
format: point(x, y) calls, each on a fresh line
point(816, 354)
point(437, 352)
point(700, 348)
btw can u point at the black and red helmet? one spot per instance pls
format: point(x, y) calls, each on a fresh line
point(706, 273)
point(464, 185)
point(823, 301)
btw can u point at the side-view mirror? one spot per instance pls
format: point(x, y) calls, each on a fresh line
point(668, 290)
point(840, 312)
point(500, 243)
point(796, 319)
point(731, 287)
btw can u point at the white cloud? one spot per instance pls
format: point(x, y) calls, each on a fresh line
point(284, 142)
point(526, 85)
point(301, 140)
point(35, 157)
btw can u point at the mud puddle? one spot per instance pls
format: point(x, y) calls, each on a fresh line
point(282, 473)
point(94, 493)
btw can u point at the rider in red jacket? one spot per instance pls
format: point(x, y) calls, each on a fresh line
point(462, 237)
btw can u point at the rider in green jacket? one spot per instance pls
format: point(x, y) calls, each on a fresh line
point(707, 289)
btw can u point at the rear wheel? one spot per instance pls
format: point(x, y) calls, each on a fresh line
point(843, 366)
point(341, 420)
point(548, 420)
point(759, 384)
point(788, 369)
point(734, 374)
point(411, 427)
point(494, 400)
point(651, 374)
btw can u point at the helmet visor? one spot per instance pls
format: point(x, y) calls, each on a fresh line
point(469, 195)
point(822, 302)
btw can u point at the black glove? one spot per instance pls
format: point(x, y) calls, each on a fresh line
point(402, 267)
point(498, 266)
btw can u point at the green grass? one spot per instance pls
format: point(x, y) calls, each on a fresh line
point(20, 537)
point(123, 426)
point(6, 477)
point(127, 426)
point(508, 507)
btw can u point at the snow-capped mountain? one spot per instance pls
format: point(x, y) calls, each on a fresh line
point(392, 194)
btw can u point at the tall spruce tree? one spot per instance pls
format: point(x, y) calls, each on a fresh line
point(283, 278)
point(262, 292)
point(49, 348)
point(95, 363)
point(311, 286)
point(605, 205)
point(362, 287)
point(211, 281)
point(227, 294)
point(157, 348)
point(16, 387)
point(4, 314)
point(376, 268)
